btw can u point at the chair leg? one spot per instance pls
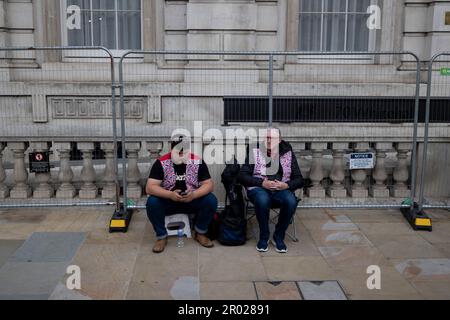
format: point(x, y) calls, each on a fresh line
point(293, 236)
point(294, 226)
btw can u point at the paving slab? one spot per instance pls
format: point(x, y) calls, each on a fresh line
point(339, 238)
point(439, 215)
point(49, 247)
point(23, 296)
point(17, 231)
point(345, 256)
point(75, 219)
point(297, 268)
point(385, 228)
point(103, 290)
point(404, 246)
point(321, 290)
point(231, 290)
point(433, 290)
point(61, 292)
point(374, 215)
point(440, 233)
point(277, 291)
point(424, 269)
point(186, 288)
point(30, 279)
point(312, 214)
point(155, 275)
point(393, 285)
point(223, 263)
point(23, 216)
point(106, 262)
point(444, 248)
point(304, 247)
point(99, 233)
point(329, 225)
point(7, 248)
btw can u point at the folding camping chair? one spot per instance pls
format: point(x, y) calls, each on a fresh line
point(250, 214)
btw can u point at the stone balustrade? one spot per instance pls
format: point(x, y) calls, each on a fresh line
point(324, 164)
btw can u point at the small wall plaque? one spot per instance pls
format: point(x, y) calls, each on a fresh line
point(447, 18)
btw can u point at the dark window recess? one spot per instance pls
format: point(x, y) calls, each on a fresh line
point(76, 154)
point(98, 154)
point(332, 109)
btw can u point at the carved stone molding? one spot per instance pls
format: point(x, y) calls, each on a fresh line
point(95, 107)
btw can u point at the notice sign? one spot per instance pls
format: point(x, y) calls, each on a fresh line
point(361, 161)
point(445, 71)
point(39, 162)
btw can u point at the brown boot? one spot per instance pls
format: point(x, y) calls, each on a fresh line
point(203, 240)
point(160, 245)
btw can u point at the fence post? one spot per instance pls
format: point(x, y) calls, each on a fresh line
point(270, 90)
point(416, 125)
point(426, 129)
point(122, 131)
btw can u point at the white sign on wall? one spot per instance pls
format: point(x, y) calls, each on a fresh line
point(362, 161)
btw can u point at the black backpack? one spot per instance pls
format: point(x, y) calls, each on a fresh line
point(233, 224)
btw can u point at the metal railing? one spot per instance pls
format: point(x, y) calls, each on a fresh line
point(22, 68)
point(441, 89)
point(274, 87)
point(216, 82)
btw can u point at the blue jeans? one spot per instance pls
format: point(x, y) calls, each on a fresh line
point(158, 208)
point(263, 200)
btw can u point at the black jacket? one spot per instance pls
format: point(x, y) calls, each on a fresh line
point(247, 179)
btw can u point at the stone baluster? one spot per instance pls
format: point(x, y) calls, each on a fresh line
point(4, 192)
point(134, 190)
point(401, 173)
point(109, 173)
point(43, 189)
point(358, 189)
point(66, 189)
point(316, 175)
point(298, 148)
point(337, 174)
point(379, 189)
point(21, 189)
point(88, 189)
point(154, 149)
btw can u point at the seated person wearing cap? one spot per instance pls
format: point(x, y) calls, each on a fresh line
point(179, 182)
point(271, 179)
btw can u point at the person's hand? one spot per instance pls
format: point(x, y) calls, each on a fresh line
point(280, 185)
point(188, 197)
point(175, 196)
point(269, 185)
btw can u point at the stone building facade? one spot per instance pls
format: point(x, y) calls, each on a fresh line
point(60, 100)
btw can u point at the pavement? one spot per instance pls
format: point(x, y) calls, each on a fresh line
point(331, 260)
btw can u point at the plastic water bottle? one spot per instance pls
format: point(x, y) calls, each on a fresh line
point(180, 241)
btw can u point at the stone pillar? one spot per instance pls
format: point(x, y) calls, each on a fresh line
point(358, 190)
point(379, 189)
point(298, 148)
point(43, 190)
point(109, 174)
point(401, 172)
point(88, 189)
point(316, 174)
point(337, 174)
point(134, 190)
point(21, 189)
point(4, 192)
point(66, 189)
